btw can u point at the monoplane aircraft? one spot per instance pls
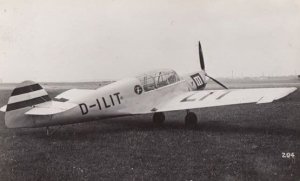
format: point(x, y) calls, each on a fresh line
point(153, 92)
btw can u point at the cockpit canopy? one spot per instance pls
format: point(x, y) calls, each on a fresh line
point(159, 78)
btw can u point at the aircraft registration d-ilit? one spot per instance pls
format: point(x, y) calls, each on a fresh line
point(156, 92)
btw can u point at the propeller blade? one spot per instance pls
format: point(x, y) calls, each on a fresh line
point(201, 57)
point(217, 82)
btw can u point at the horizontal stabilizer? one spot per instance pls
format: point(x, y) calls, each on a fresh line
point(73, 94)
point(3, 108)
point(49, 108)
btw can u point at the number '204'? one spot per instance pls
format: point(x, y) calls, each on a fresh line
point(288, 155)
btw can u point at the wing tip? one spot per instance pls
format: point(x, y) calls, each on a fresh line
point(285, 92)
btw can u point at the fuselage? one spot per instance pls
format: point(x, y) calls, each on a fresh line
point(30, 105)
point(121, 98)
point(114, 100)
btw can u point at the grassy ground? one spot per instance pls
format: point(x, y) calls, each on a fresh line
point(243, 142)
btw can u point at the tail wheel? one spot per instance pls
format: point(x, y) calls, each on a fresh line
point(191, 119)
point(158, 118)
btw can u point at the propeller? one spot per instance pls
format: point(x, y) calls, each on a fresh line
point(202, 65)
point(201, 57)
point(217, 81)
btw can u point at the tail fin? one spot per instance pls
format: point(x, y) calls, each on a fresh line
point(27, 94)
point(23, 98)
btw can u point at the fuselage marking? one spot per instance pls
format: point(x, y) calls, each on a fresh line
point(103, 103)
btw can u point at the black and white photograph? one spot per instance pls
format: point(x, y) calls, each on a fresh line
point(150, 90)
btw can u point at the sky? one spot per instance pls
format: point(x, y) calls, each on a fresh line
point(90, 40)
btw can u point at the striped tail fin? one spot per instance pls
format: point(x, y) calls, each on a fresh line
point(27, 94)
point(23, 98)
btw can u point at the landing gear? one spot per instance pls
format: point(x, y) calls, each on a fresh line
point(190, 119)
point(48, 131)
point(158, 118)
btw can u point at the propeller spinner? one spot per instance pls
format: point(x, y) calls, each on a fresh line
point(202, 65)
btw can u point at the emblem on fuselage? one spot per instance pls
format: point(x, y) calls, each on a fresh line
point(198, 81)
point(138, 89)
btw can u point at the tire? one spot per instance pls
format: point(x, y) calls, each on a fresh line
point(158, 118)
point(191, 119)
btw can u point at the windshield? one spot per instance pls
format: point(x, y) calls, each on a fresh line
point(156, 79)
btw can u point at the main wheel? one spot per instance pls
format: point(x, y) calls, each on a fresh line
point(191, 119)
point(158, 118)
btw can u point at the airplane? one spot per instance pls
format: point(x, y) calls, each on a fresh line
point(156, 92)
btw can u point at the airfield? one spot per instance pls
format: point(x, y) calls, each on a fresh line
point(239, 142)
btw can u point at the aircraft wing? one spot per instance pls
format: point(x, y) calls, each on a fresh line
point(212, 98)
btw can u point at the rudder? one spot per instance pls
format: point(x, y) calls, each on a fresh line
point(25, 96)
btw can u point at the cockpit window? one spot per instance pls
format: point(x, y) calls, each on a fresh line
point(157, 79)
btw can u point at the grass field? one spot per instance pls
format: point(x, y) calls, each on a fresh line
point(241, 142)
